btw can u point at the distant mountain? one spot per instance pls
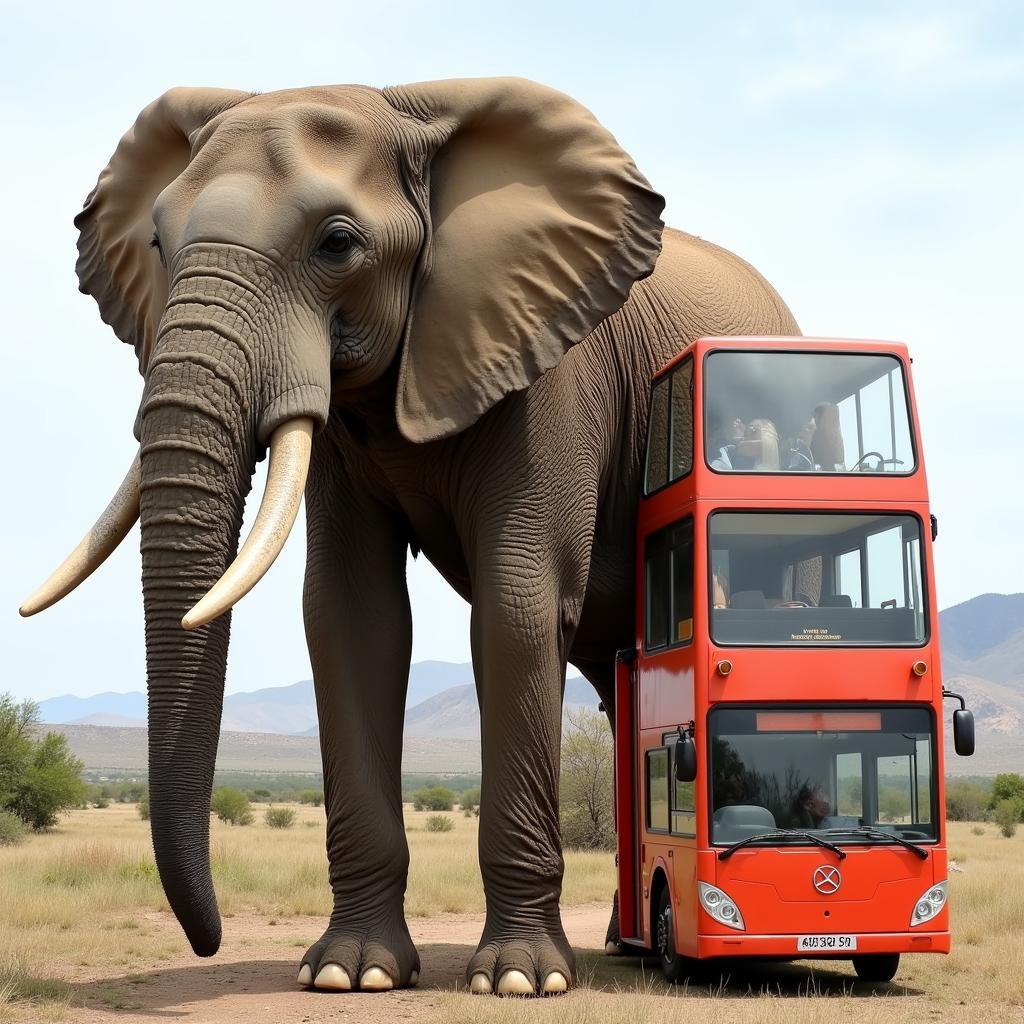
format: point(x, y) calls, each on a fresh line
point(981, 625)
point(454, 714)
point(288, 710)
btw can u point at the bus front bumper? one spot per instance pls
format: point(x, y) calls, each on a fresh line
point(785, 946)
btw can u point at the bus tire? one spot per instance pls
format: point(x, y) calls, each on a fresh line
point(876, 966)
point(673, 966)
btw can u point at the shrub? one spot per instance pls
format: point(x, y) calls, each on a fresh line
point(279, 817)
point(439, 823)
point(102, 802)
point(1007, 786)
point(1007, 814)
point(965, 801)
point(144, 806)
point(38, 778)
point(978, 830)
point(12, 829)
point(469, 800)
point(587, 818)
point(436, 798)
point(232, 806)
point(312, 797)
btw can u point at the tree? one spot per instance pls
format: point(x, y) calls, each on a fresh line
point(1008, 786)
point(312, 797)
point(587, 815)
point(144, 806)
point(232, 806)
point(39, 778)
point(434, 798)
point(965, 801)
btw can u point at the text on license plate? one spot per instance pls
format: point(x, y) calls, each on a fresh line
point(817, 943)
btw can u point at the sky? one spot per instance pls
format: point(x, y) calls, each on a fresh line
point(866, 158)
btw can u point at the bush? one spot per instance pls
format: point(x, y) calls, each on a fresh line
point(436, 798)
point(144, 806)
point(587, 816)
point(1007, 814)
point(279, 817)
point(439, 823)
point(469, 800)
point(232, 806)
point(978, 830)
point(101, 802)
point(312, 797)
point(965, 801)
point(1007, 786)
point(38, 778)
point(12, 829)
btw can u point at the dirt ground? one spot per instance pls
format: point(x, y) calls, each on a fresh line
point(252, 978)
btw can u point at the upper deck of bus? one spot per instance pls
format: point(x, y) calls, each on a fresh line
point(806, 420)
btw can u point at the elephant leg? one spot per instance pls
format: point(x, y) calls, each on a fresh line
point(521, 629)
point(358, 629)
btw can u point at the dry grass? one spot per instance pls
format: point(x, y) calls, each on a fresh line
point(86, 898)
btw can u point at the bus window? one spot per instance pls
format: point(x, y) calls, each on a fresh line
point(657, 790)
point(657, 438)
point(668, 574)
point(797, 412)
point(804, 769)
point(670, 429)
point(823, 579)
point(682, 420)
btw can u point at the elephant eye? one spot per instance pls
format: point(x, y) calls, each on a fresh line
point(155, 243)
point(336, 245)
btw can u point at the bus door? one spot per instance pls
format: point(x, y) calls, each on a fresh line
point(626, 793)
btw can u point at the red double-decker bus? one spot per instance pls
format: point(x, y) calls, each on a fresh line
point(779, 760)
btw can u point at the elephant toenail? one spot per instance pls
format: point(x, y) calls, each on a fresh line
point(480, 985)
point(414, 977)
point(334, 977)
point(373, 979)
point(305, 975)
point(555, 982)
point(611, 949)
point(515, 983)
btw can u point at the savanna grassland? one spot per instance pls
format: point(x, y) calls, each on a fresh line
point(85, 935)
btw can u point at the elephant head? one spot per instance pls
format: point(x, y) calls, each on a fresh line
point(429, 248)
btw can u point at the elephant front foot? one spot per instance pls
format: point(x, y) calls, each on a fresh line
point(522, 961)
point(613, 937)
point(373, 958)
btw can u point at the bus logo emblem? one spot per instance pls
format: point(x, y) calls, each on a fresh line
point(827, 880)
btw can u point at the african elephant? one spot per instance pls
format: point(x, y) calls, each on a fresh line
point(439, 306)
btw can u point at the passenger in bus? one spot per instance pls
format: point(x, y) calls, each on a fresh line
point(760, 445)
point(827, 442)
point(719, 588)
point(813, 809)
point(798, 457)
point(723, 440)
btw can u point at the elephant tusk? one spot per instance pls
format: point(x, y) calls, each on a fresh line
point(290, 447)
point(95, 547)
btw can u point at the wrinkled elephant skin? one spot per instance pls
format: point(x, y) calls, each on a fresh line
point(459, 291)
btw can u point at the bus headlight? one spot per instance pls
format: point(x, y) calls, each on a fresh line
point(720, 906)
point(929, 904)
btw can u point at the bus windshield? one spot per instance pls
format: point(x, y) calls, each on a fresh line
point(830, 579)
point(800, 412)
point(822, 768)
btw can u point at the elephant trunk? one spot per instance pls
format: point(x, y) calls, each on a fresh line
point(198, 452)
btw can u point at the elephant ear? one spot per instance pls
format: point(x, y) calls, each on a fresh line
point(539, 223)
point(117, 264)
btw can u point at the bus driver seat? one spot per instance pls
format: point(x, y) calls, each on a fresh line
point(738, 821)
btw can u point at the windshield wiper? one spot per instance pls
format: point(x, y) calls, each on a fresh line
point(876, 833)
point(778, 833)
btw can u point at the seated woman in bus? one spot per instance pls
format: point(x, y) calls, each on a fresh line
point(722, 442)
point(760, 444)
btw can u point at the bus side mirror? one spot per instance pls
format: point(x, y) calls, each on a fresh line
point(963, 732)
point(686, 759)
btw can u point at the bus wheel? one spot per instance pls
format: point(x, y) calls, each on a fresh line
point(877, 966)
point(673, 966)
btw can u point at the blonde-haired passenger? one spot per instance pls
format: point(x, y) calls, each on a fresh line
point(761, 444)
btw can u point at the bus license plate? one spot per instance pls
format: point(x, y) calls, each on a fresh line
point(825, 943)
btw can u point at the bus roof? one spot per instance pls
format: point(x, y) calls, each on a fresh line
point(784, 343)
